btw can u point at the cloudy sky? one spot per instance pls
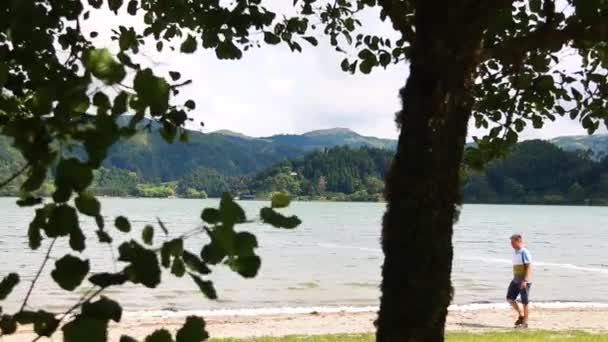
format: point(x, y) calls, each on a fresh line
point(272, 90)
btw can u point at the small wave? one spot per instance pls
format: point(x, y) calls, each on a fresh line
point(360, 248)
point(256, 312)
point(541, 305)
point(350, 309)
point(540, 263)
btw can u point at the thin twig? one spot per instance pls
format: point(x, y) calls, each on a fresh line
point(15, 175)
point(46, 258)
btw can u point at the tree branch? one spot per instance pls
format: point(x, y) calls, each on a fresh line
point(46, 258)
point(15, 175)
point(546, 38)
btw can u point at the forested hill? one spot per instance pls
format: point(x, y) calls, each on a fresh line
point(316, 165)
point(536, 172)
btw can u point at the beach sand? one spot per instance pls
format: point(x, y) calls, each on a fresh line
point(137, 326)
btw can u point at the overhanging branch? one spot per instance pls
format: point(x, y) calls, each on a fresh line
point(546, 38)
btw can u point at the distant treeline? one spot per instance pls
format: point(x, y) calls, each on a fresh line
point(535, 172)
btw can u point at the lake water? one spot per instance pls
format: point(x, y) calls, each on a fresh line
point(333, 259)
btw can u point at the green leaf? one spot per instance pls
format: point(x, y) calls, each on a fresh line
point(63, 221)
point(36, 177)
point(210, 215)
point(101, 101)
point(147, 235)
point(29, 201)
point(160, 335)
point(345, 65)
point(33, 233)
point(103, 236)
point(192, 331)
point(194, 263)
point(245, 243)
point(95, 3)
point(275, 219)
point(246, 266)
point(70, 271)
point(178, 268)
point(127, 40)
point(213, 254)
point(87, 204)
point(103, 309)
point(230, 211)
point(280, 200)
point(77, 240)
point(45, 323)
point(73, 173)
point(108, 279)
point(152, 91)
point(122, 223)
point(120, 103)
point(132, 7)
point(205, 286)
point(115, 5)
point(312, 40)
point(62, 194)
point(85, 329)
point(144, 268)
point(102, 65)
point(175, 75)
point(189, 45)
point(8, 325)
point(190, 104)
point(7, 285)
point(366, 66)
point(125, 338)
point(271, 38)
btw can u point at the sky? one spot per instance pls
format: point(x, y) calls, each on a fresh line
point(274, 91)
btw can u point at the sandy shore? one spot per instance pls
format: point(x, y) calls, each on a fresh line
point(587, 319)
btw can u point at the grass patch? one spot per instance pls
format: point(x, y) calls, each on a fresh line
point(524, 336)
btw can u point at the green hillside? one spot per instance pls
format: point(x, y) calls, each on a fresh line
point(597, 144)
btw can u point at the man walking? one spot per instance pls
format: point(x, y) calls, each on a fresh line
point(520, 285)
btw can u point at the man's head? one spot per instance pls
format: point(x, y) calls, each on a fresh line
point(517, 241)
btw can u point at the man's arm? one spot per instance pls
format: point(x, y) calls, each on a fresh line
point(528, 269)
point(527, 261)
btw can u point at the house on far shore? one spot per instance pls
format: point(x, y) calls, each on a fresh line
point(246, 196)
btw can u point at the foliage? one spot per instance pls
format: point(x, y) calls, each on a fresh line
point(352, 172)
point(576, 178)
point(204, 180)
point(235, 249)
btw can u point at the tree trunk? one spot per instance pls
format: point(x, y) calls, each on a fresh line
point(423, 187)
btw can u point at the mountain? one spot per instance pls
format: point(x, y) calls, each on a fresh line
point(597, 144)
point(331, 137)
point(230, 153)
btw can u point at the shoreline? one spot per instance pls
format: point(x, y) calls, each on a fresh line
point(138, 325)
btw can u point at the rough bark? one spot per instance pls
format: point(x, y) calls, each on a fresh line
point(423, 184)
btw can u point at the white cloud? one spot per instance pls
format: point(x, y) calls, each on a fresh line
point(272, 90)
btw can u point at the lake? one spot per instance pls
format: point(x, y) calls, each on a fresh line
point(333, 259)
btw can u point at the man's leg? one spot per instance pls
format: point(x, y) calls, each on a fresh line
point(512, 294)
point(525, 300)
point(515, 307)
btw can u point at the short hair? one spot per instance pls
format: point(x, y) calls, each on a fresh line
point(516, 237)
